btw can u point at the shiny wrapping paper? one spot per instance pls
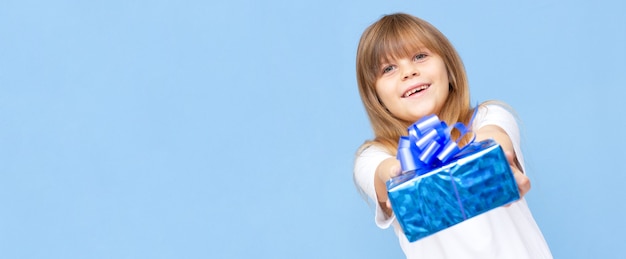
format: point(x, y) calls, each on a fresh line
point(474, 181)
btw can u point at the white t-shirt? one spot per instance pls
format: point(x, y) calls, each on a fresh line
point(505, 232)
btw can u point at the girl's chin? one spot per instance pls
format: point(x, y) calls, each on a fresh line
point(416, 117)
point(422, 113)
point(416, 113)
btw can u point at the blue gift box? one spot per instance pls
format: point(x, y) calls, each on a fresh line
point(475, 181)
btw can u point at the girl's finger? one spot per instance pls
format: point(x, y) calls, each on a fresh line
point(395, 171)
point(523, 183)
point(510, 157)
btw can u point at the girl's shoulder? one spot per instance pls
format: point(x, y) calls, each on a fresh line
point(495, 111)
point(371, 147)
point(378, 146)
point(498, 106)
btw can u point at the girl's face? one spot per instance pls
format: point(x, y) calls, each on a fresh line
point(413, 87)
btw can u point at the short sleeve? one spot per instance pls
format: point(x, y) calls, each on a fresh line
point(366, 162)
point(501, 116)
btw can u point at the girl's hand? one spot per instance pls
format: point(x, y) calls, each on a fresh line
point(387, 169)
point(523, 183)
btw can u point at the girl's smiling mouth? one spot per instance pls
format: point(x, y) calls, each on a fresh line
point(415, 90)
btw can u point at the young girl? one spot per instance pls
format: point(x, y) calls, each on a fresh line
point(407, 69)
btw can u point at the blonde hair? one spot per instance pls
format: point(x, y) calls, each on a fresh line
point(396, 36)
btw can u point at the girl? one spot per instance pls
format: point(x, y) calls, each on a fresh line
point(407, 69)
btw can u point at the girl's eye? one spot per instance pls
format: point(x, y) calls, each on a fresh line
point(387, 69)
point(419, 56)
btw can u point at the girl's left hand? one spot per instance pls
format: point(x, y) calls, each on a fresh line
point(523, 183)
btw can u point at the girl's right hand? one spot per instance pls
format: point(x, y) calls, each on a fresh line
point(387, 169)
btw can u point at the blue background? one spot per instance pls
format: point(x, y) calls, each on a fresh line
point(227, 129)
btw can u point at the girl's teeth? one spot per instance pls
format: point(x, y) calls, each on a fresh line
point(409, 93)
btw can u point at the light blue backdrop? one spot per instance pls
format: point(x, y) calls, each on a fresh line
point(227, 129)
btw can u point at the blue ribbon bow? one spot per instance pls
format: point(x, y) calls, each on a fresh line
point(429, 144)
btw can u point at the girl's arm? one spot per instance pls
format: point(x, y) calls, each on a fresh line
point(372, 168)
point(387, 169)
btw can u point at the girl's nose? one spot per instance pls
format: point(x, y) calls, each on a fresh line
point(410, 74)
point(408, 69)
